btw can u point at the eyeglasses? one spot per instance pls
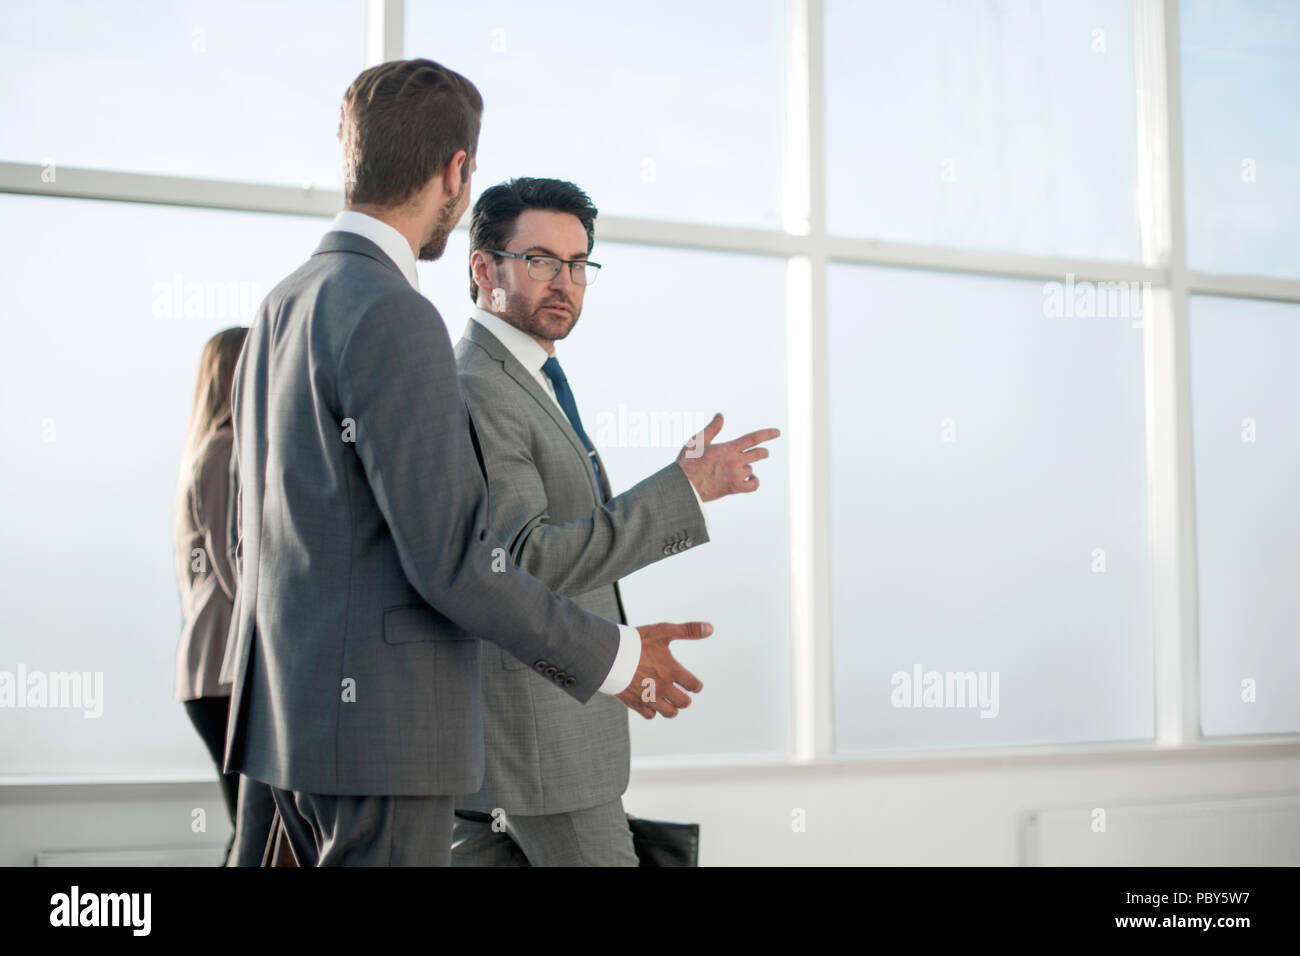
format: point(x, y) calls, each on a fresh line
point(546, 268)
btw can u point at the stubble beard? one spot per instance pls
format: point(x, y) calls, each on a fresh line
point(437, 244)
point(536, 323)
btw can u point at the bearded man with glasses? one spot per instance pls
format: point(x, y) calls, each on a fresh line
point(555, 772)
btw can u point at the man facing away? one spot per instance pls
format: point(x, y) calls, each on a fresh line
point(368, 571)
point(556, 771)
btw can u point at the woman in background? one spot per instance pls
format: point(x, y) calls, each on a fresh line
point(204, 566)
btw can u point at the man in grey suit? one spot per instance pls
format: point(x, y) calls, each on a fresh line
point(368, 571)
point(556, 771)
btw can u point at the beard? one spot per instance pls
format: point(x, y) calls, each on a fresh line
point(437, 244)
point(540, 323)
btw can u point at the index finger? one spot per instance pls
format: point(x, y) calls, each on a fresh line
point(745, 442)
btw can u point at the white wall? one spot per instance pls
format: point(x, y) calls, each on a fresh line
point(898, 811)
point(936, 812)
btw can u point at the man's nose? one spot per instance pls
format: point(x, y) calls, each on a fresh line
point(563, 281)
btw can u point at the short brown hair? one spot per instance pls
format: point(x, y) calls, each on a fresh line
point(400, 124)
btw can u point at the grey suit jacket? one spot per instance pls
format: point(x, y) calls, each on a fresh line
point(367, 569)
point(546, 754)
point(207, 595)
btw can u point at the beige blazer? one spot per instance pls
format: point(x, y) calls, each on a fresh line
point(204, 572)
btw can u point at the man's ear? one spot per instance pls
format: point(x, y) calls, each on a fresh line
point(478, 262)
point(452, 180)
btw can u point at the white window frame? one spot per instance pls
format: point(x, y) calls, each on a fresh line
point(809, 249)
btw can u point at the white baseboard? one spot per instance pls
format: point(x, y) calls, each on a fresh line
point(159, 856)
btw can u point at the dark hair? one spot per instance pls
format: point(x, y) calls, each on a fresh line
point(401, 123)
point(492, 224)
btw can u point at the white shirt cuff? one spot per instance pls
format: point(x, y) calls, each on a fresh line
point(625, 661)
point(700, 501)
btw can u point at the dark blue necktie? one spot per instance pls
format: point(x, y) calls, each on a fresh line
point(564, 395)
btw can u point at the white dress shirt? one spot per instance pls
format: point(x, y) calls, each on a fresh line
point(392, 242)
point(394, 245)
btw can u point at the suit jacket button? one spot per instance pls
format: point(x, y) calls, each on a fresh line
point(688, 542)
point(569, 681)
point(559, 677)
point(668, 549)
point(540, 666)
point(550, 671)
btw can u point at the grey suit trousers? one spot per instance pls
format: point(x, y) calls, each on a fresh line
point(252, 822)
point(598, 836)
point(342, 830)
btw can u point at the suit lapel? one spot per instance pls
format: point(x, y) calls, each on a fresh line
point(492, 345)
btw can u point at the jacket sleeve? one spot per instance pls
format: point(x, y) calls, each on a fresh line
point(397, 381)
point(211, 511)
point(627, 533)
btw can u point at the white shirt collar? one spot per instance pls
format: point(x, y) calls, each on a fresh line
point(389, 240)
point(521, 345)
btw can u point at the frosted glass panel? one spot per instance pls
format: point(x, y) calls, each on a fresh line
point(108, 306)
point(1241, 83)
point(669, 111)
point(237, 90)
point(988, 503)
point(987, 125)
point(655, 353)
point(1245, 392)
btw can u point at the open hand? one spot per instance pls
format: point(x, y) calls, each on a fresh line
point(661, 683)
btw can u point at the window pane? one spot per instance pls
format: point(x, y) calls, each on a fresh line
point(98, 375)
point(1241, 82)
point(984, 125)
point(652, 119)
point(236, 90)
point(988, 483)
point(650, 361)
point(1245, 391)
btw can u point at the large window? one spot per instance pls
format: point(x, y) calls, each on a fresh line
point(1245, 392)
point(237, 90)
point(1017, 279)
point(983, 125)
point(671, 110)
point(109, 305)
point(988, 474)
